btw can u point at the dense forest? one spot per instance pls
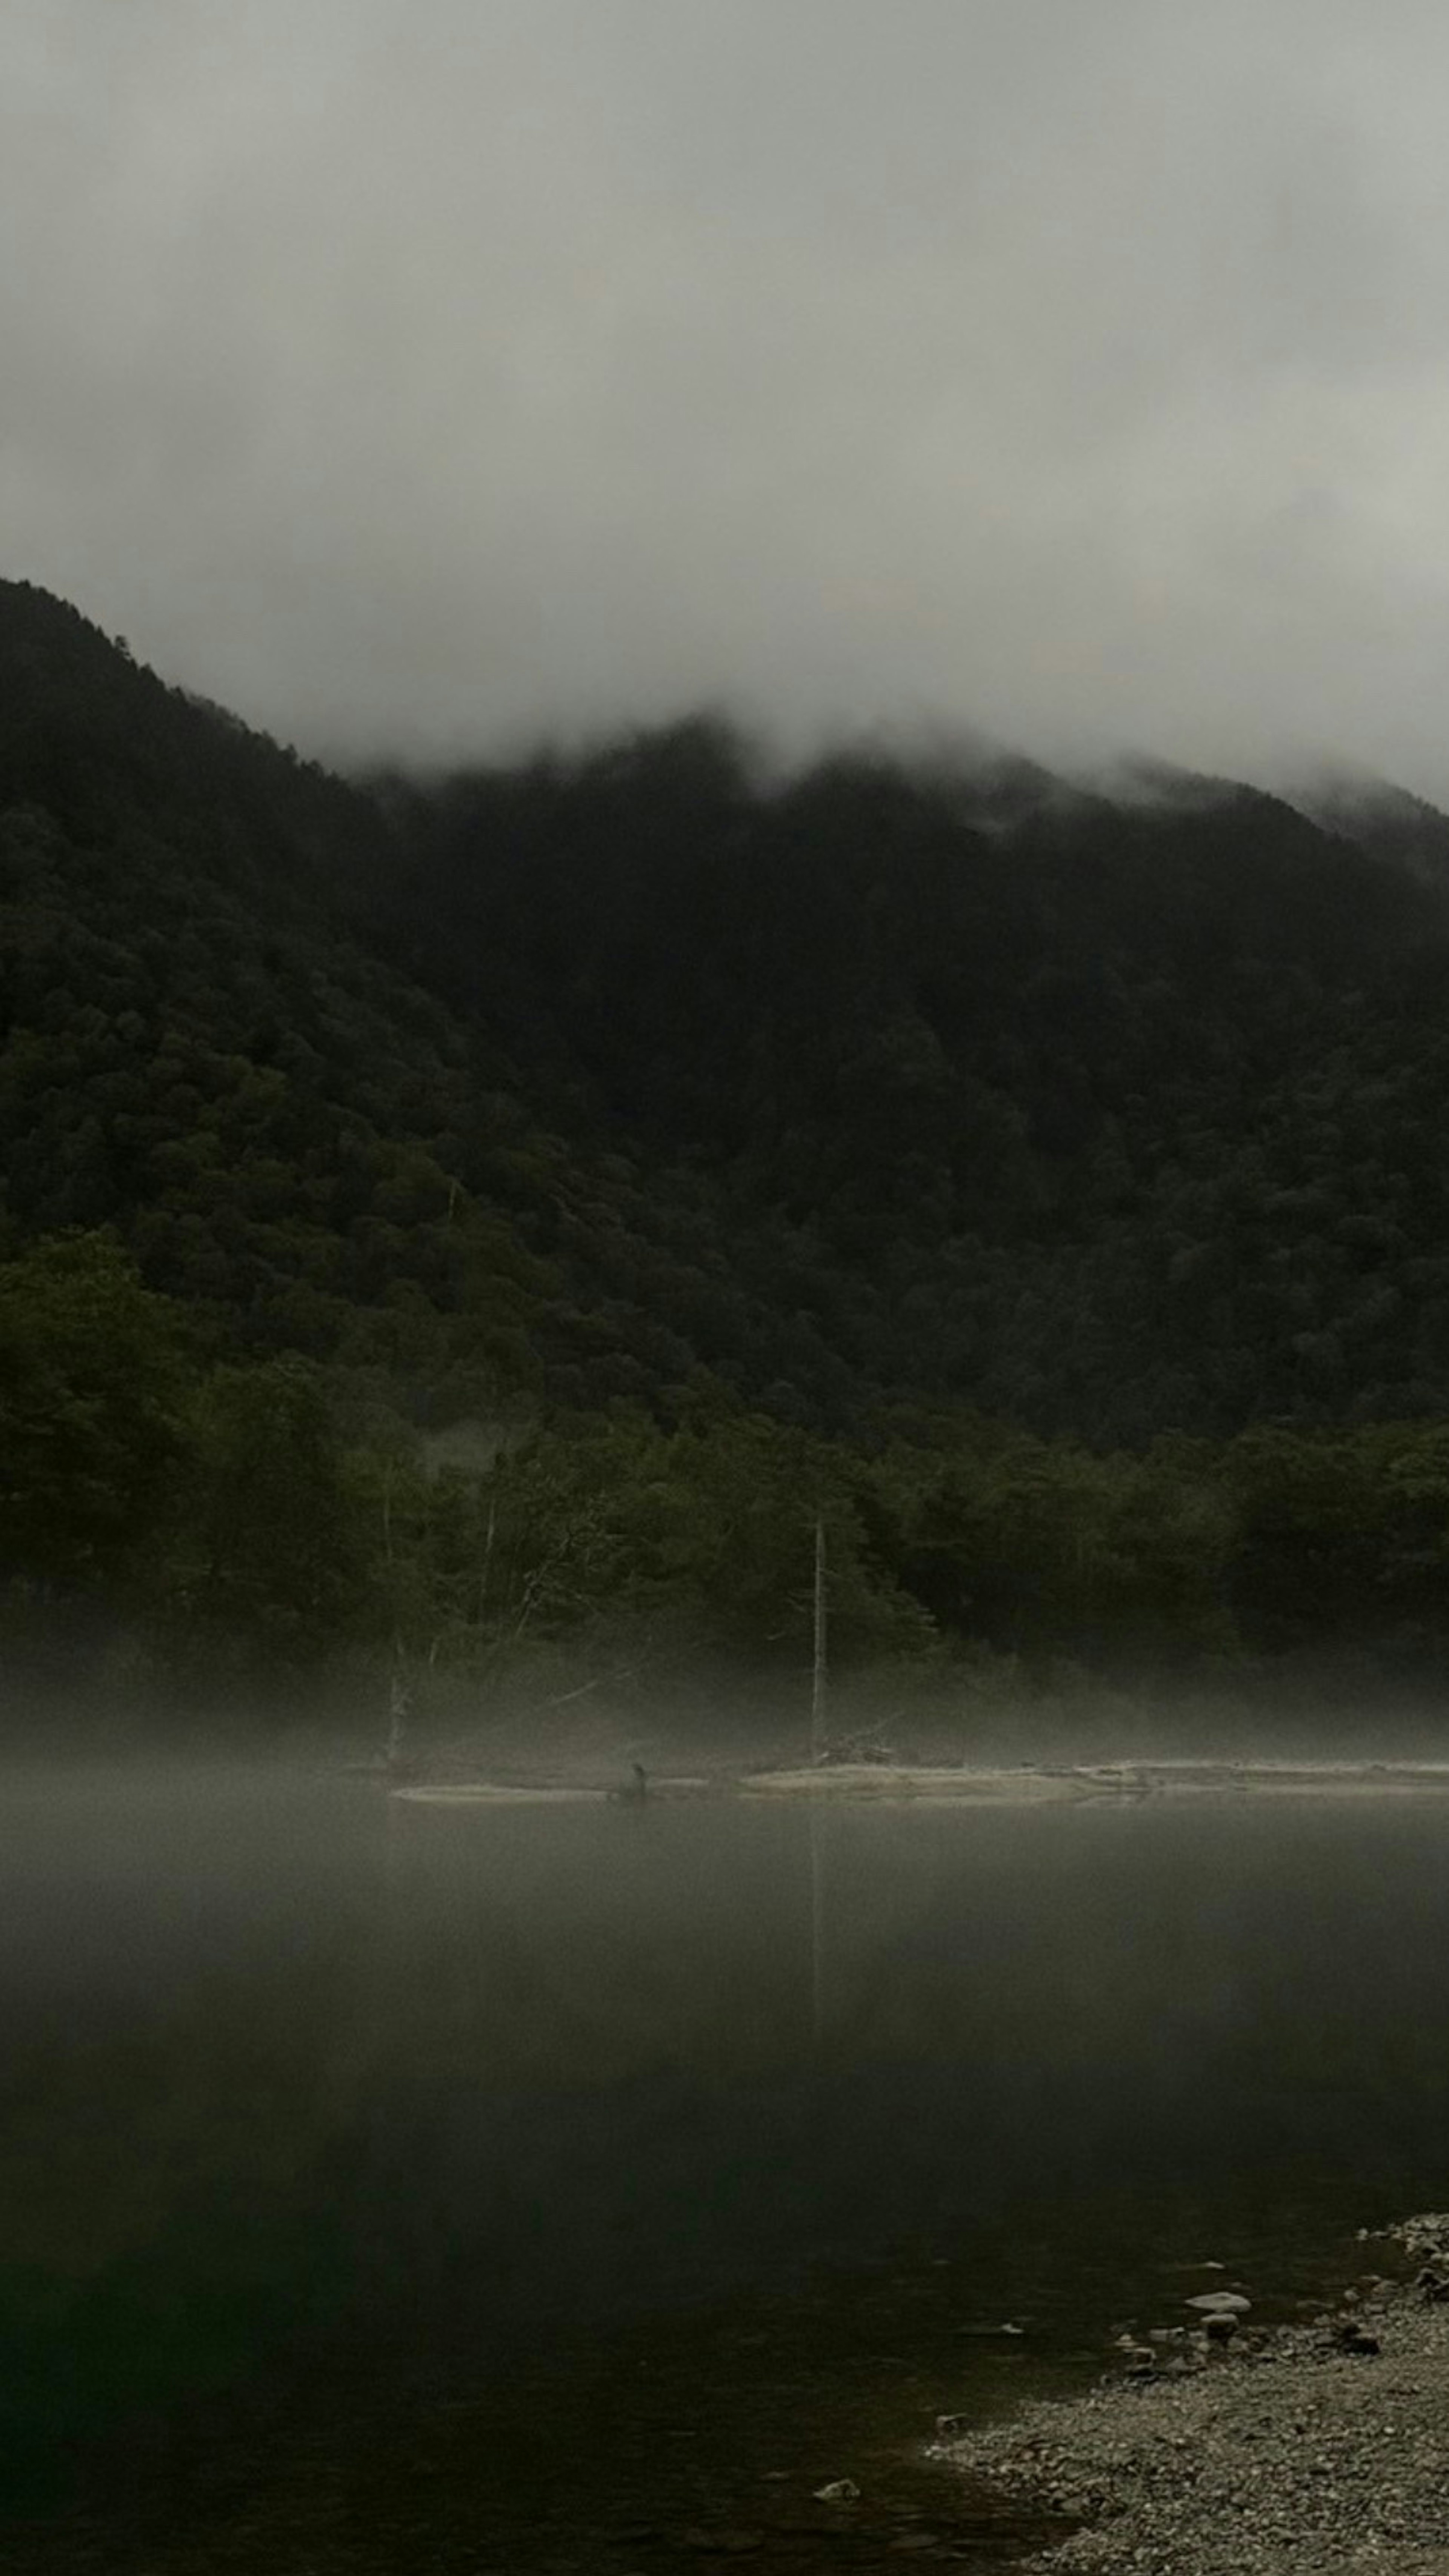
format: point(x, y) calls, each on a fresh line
point(478, 1223)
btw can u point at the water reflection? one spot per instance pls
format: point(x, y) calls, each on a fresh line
point(320, 2103)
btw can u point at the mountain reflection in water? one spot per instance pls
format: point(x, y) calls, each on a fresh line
point(381, 2177)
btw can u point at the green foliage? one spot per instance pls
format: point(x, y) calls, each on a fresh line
point(1112, 1120)
point(598, 1080)
point(262, 1521)
point(92, 1384)
point(1045, 1192)
point(272, 1548)
point(703, 1536)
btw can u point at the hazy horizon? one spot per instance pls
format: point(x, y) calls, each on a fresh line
point(421, 383)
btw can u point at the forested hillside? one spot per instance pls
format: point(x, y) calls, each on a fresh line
point(1113, 1119)
point(1045, 1185)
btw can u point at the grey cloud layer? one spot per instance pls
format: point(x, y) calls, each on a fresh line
point(420, 374)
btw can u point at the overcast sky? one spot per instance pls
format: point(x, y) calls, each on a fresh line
point(418, 375)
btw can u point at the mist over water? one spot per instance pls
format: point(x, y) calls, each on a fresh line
point(332, 2128)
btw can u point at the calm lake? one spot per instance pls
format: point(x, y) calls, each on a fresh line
point(561, 2188)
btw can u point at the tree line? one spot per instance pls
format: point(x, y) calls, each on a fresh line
point(452, 1226)
point(168, 1513)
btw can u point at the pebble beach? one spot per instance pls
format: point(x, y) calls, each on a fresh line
point(1314, 2447)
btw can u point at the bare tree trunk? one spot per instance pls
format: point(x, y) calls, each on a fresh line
point(399, 1709)
point(816, 1826)
point(819, 1742)
point(487, 1565)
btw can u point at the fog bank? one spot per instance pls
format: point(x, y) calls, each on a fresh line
point(416, 380)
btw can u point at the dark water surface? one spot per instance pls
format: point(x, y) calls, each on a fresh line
point(385, 2186)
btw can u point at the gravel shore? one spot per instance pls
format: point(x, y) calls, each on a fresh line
point(1314, 2447)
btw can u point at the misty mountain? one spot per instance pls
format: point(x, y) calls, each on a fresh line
point(1109, 1113)
point(1106, 1109)
point(1379, 817)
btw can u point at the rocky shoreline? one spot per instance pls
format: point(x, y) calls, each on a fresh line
point(1221, 2450)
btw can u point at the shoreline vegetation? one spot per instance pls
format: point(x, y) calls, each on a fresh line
point(1229, 2451)
point(566, 1226)
point(197, 1546)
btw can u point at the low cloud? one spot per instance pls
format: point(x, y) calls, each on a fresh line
point(420, 376)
